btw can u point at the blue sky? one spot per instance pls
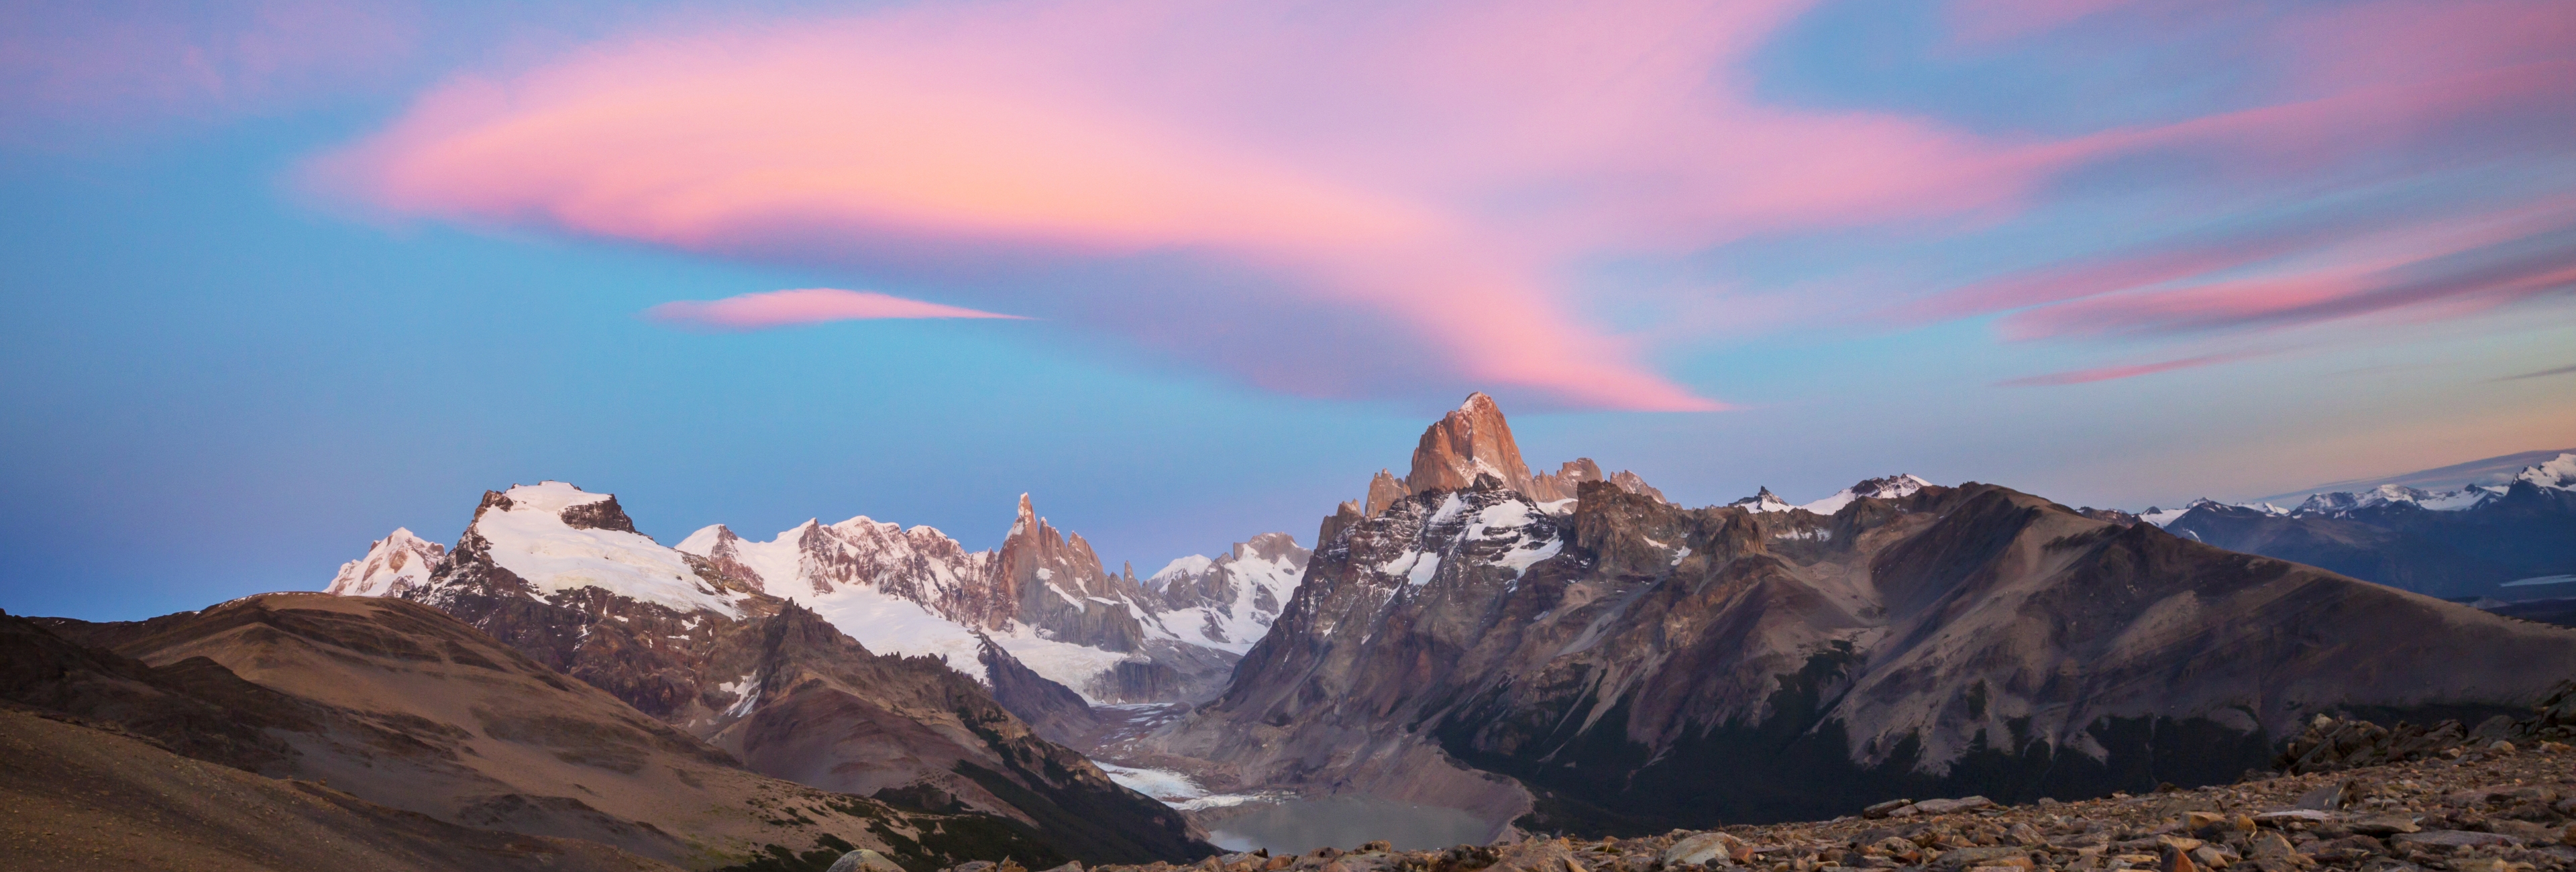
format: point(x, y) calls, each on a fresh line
point(226, 376)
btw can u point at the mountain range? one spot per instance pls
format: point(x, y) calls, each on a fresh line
point(1620, 663)
point(2505, 541)
point(1567, 651)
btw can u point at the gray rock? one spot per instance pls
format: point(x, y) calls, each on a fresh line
point(2305, 815)
point(865, 860)
point(1701, 848)
point(2457, 839)
point(2327, 798)
point(1946, 806)
point(1965, 858)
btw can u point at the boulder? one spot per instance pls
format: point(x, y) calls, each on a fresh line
point(1702, 848)
point(865, 860)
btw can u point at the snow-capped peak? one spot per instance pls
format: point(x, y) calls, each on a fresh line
point(2394, 494)
point(550, 497)
point(2557, 473)
point(1189, 568)
point(1889, 488)
point(397, 563)
point(2166, 517)
point(1765, 501)
point(531, 532)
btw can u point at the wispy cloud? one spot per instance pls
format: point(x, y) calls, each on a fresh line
point(2108, 373)
point(2564, 370)
point(802, 306)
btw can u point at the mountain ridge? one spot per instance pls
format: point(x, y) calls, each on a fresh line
point(1583, 666)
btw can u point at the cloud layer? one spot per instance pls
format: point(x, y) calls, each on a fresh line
point(1399, 199)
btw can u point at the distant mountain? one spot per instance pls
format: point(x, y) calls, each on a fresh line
point(2508, 541)
point(438, 745)
point(1229, 602)
point(699, 641)
point(1043, 595)
point(1888, 488)
point(2489, 471)
point(1618, 663)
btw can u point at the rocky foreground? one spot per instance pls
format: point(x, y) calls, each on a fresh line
point(2500, 810)
point(2348, 795)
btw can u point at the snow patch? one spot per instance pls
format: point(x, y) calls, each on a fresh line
point(531, 540)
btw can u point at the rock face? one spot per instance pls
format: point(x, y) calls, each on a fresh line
point(2470, 542)
point(403, 709)
point(1622, 664)
point(1058, 585)
point(1474, 440)
point(559, 575)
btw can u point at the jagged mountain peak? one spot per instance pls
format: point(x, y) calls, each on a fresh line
point(1476, 440)
point(397, 563)
point(1473, 440)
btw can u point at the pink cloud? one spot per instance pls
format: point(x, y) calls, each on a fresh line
point(2376, 91)
point(2436, 267)
point(1406, 189)
point(802, 306)
point(2108, 373)
point(1437, 166)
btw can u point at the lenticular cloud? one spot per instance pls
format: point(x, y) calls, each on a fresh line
point(802, 306)
point(1404, 199)
point(1320, 198)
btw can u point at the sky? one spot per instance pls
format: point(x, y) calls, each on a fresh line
point(282, 276)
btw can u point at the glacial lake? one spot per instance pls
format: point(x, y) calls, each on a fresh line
point(1346, 822)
